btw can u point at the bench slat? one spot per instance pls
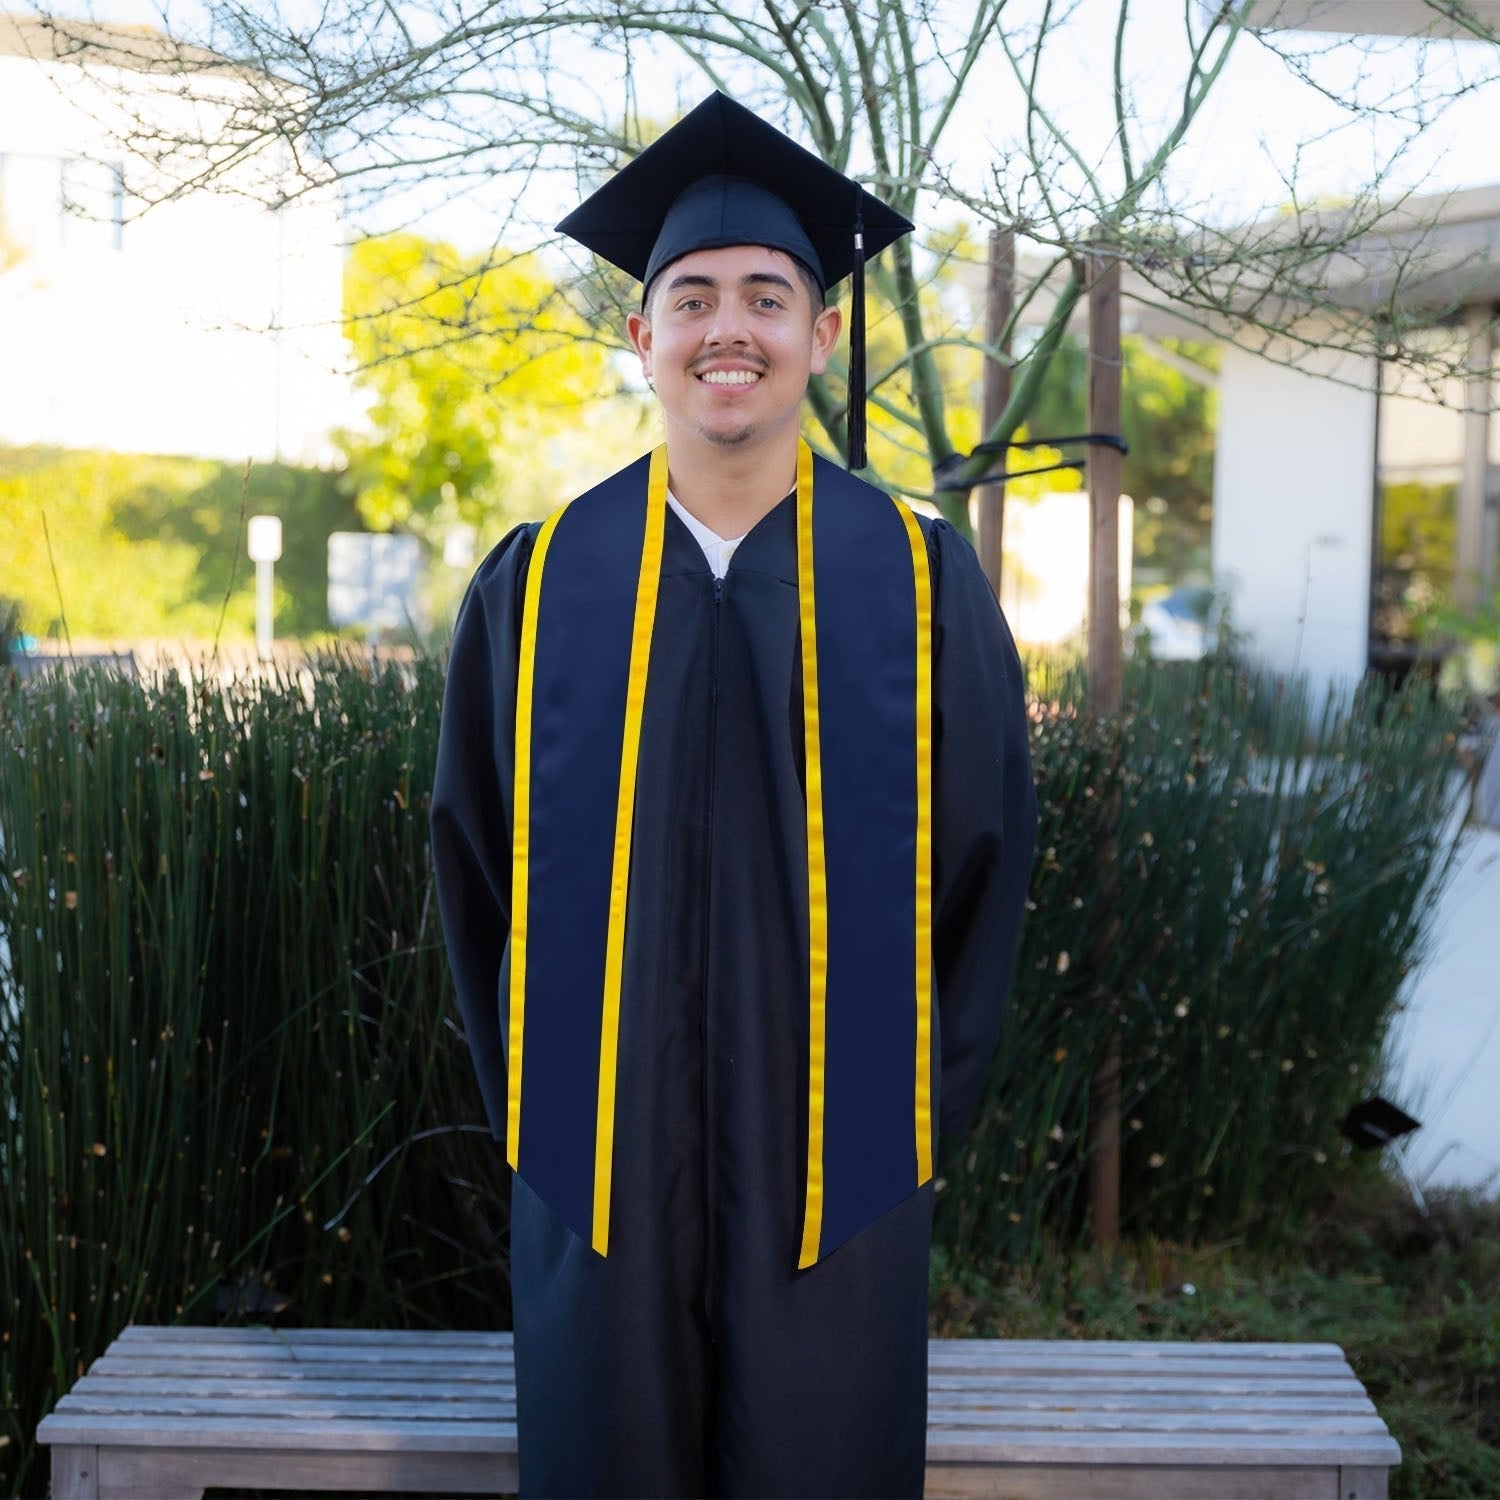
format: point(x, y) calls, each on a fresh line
point(1017, 1445)
point(1101, 1364)
point(220, 1432)
point(1036, 1445)
point(220, 1359)
point(423, 1347)
point(938, 1348)
point(293, 1390)
point(254, 1366)
point(1248, 1386)
point(500, 1380)
point(109, 1392)
point(995, 1408)
point(1272, 1427)
point(167, 1412)
point(964, 1349)
point(402, 1337)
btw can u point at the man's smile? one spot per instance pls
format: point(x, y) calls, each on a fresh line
point(729, 377)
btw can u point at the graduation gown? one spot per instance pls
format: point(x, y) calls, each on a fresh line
point(696, 1359)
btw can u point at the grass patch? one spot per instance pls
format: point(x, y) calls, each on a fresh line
point(1413, 1301)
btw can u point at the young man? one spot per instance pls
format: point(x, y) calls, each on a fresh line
point(732, 828)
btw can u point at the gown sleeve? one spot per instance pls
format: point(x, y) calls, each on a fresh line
point(472, 804)
point(984, 819)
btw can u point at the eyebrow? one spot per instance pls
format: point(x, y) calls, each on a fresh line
point(755, 278)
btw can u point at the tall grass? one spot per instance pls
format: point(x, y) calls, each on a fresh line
point(234, 1089)
point(1275, 864)
point(230, 1085)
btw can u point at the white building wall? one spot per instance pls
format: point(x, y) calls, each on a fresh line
point(1294, 478)
point(207, 326)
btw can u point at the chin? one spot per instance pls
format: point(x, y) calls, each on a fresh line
point(730, 438)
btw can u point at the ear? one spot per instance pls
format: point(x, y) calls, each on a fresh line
point(825, 336)
point(639, 328)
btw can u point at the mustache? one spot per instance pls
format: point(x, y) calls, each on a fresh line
point(754, 361)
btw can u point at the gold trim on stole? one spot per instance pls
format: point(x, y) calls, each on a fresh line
point(922, 577)
point(648, 586)
point(520, 880)
point(817, 875)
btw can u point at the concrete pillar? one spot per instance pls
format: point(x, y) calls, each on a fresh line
point(1474, 575)
point(1489, 557)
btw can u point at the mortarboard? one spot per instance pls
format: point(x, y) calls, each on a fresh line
point(722, 176)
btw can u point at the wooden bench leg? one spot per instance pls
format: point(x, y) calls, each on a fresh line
point(75, 1473)
point(84, 1473)
point(1363, 1484)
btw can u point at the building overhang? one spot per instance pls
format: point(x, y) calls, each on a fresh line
point(1431, 259)
point(1450, 19)
point(137, 49)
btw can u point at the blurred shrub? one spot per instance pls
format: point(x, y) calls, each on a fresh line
point(148, 546)
point(1244, 927)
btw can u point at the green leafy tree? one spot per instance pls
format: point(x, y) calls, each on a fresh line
point(476, 369)
point(1169, 416)
point(1418, 544)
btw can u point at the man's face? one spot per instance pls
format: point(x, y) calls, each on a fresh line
point(729, 340)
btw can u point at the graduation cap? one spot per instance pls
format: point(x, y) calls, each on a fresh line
point(722, 176)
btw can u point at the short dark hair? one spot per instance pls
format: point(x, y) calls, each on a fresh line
point(815, 293)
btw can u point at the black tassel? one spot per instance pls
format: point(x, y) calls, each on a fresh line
point(856, 397)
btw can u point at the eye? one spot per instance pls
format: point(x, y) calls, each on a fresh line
point(691, 304)
point(768, 303)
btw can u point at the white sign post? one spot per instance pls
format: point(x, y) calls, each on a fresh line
point(265, 549)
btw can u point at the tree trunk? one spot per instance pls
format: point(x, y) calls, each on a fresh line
point(999, 300)
point(1104, 687)
point(1104, 468)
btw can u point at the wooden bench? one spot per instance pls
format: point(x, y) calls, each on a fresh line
point(166, 1412)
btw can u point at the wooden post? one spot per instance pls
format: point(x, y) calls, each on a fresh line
point(999, 300)
point(1104, 687)
point(75, 1472)
point(1474, 575)
point(1104, 468)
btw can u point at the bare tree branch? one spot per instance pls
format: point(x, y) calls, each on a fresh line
point(405, 105)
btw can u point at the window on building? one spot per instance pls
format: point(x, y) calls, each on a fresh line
point(50, 204)
point(93, 204)
point(1418, 468)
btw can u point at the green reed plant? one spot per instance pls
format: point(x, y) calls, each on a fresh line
point(231, 1087)
point(10, 628)
point(1265, 888)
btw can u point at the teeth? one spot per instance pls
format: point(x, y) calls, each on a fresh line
point(730, 377)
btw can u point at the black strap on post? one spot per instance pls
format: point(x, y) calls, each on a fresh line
point(947, 481)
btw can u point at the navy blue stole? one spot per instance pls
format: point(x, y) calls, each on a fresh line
point(866, 668)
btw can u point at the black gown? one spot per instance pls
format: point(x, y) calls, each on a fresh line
point(696, 1359)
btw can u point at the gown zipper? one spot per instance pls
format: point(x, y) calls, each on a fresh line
point(706, 1026)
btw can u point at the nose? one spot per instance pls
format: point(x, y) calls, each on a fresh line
point(728, 326)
